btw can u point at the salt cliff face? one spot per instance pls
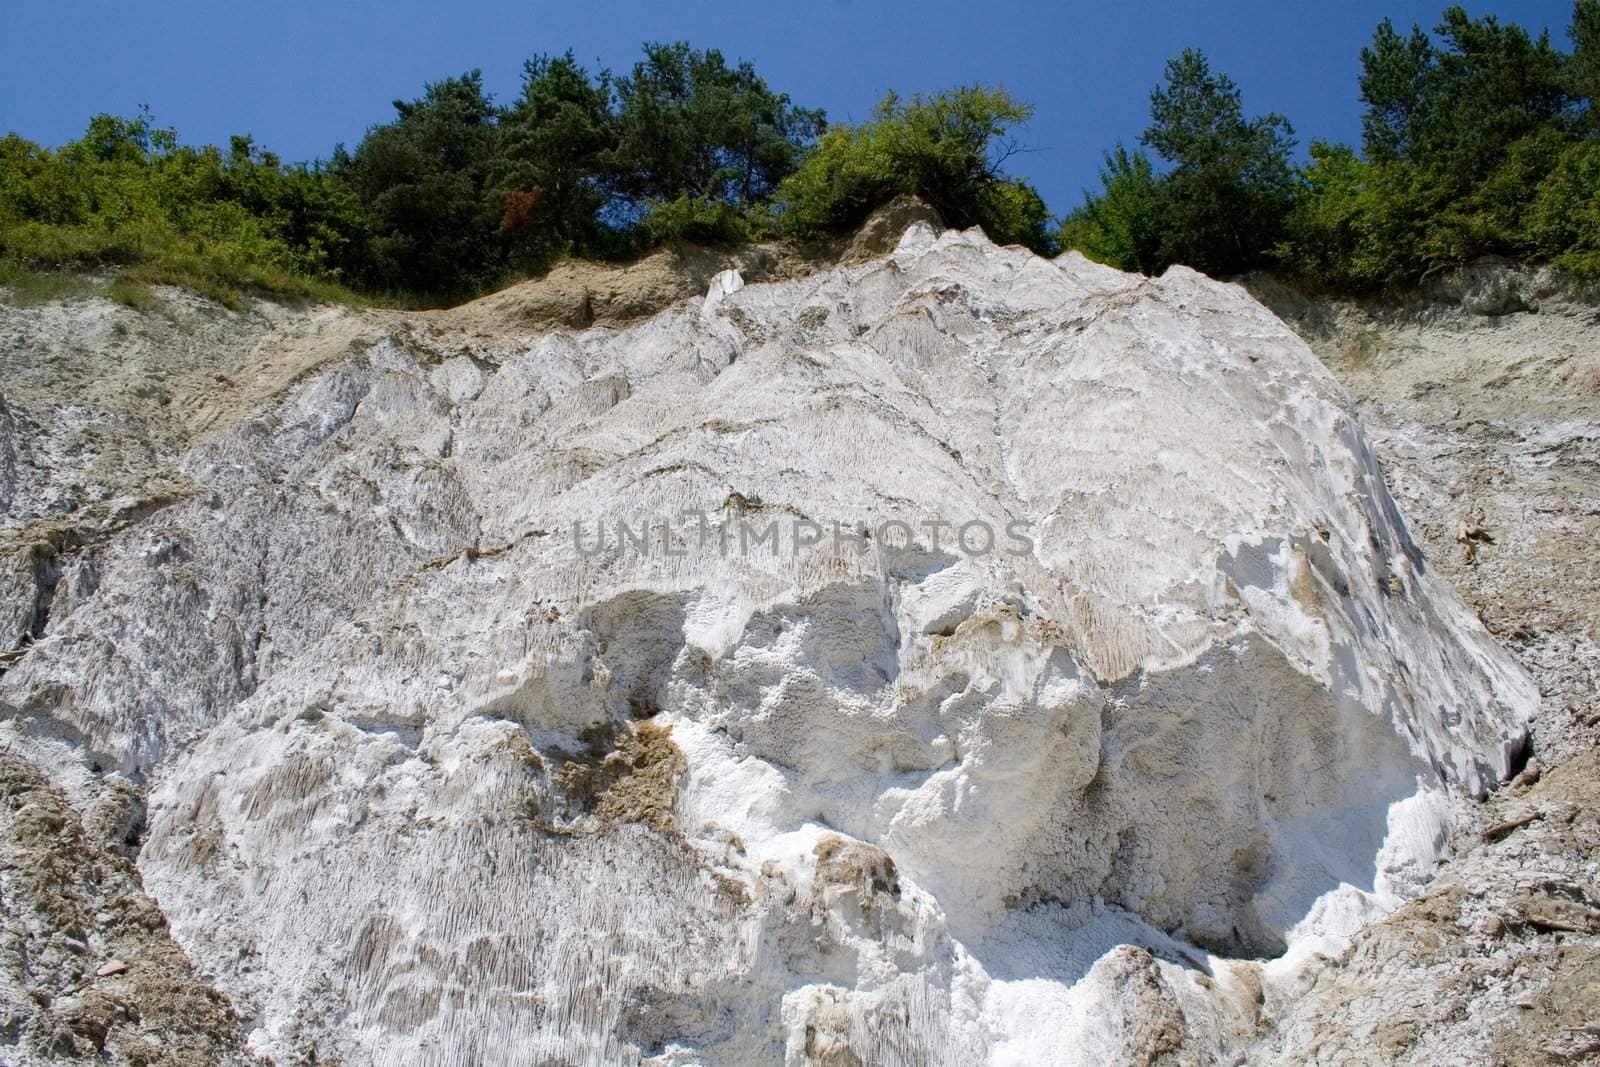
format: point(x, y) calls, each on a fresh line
point(952, 658)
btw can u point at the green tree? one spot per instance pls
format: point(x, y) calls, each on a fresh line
point(688, 124)
point(1396, 73)
point(1231, 185)
point(1460, 131)
point(112, 139)
point(549, 168)
point(1459, 105)
point(949, 149)
point(424, 182)
point(1121, 226)
point(1583, 68)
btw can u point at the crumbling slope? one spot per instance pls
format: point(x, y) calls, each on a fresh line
point(431, 777)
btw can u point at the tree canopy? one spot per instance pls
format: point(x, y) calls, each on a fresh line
point(948, 148)
point(424, 180)
point(1221, 201)
point(1478, 137)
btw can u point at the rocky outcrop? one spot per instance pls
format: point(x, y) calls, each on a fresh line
point(950, 657)
point(88, 968)
point(1490, 436)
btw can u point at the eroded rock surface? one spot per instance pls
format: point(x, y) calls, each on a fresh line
point(432, 777)
point(1488, 422)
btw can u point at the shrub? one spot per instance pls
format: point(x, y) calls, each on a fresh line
point(126, 195)
point(1564, 219)
point(1361, 225)
point(949, 149)
point(701, 220)
point(1122, 226)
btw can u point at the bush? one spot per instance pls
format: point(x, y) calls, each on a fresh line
point(1564, 219)
point(23, 286)
point(701, 220)
point(1122, 226)
point(1358, 225)
point(128, 196)
point(949, 149)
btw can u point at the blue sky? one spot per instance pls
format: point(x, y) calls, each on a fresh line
point(301, 76)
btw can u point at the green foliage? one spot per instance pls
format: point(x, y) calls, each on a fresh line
point(128, 196)
point(1459, 104)
point(1122, 226)
point(1353, 225)
point(1394, 73)
point(687, 124)
point(1362, 224)
point(445, 199)
point(130, 292)
point(1564, 220)
point(424, 181)
point(1479, 139)
point(1499, 204)
point(1474, 145)
point(1583, 68)
point(1221, 205)
point(701, 220)
point(948, 148)
point(838, 185)
point(1011, 211)
point(547, 174)
point(1230, 184)
point(457, 192)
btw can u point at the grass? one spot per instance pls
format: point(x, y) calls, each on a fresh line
point(25, 287)
point(41, 262)
point(132, 293)
point(227, 281)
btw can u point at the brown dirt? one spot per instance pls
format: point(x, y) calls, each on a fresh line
point(1490, 442)
point(628, 774)
point(576, 294)
point(74, 907)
